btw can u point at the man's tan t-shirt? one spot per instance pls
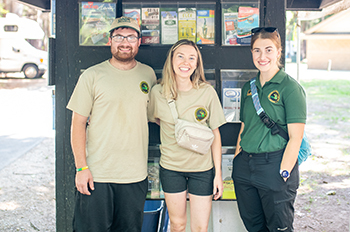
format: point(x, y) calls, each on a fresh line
point(117, 136)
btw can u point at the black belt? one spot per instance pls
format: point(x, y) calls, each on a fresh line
point(264, 153)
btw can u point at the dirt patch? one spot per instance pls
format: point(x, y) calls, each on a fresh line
point(323, 200)
point(27, 191)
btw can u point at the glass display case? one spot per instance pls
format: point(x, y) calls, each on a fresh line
point(238, 18)
point(232, 82)
point(95, 19)
point(166, 23)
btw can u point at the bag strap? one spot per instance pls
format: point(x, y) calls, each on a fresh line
point(275, 128)
point(173, 110)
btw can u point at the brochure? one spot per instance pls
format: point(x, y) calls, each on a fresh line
point(133, 13)
point(169, 26)
point(231, 104)
point(230, 25)
point(150, 25)
point(229, 190)
point(150, 37)
point(95, 21)
point(187, 23)
point(248, 18)
point(205, 26)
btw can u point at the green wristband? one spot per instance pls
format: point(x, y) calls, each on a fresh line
point(82, 169)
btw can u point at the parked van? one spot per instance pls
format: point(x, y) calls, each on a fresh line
point(16, 53)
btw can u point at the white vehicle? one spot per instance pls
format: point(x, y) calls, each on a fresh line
point(16, 53)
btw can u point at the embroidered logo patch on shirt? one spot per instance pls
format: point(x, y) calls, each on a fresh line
point(249, 93)
point(274, 96)
point(201, 114)
point(144, 87)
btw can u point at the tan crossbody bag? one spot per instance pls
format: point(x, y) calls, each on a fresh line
point(190, 135)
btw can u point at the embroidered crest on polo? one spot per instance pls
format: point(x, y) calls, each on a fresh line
point(201, 114)
point(249, 93)
point(274, 96)
point(144, 87)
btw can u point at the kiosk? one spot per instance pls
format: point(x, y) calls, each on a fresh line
point(221, 30)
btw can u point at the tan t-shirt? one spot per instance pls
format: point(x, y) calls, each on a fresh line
point(117, 137)
point(196, 105)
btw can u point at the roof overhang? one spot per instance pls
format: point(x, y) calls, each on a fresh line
point(325, 36)
point(309, 5)
point(44, 5)
point(293, 5)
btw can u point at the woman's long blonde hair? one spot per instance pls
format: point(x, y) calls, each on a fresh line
point(169, 81)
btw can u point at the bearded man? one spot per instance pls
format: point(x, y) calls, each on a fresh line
point(111, 150)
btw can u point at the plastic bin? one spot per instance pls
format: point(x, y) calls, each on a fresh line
point(151, 215)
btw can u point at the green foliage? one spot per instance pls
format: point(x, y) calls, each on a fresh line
point(318, 88)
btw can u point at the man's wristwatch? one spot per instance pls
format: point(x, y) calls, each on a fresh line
point(284, 173)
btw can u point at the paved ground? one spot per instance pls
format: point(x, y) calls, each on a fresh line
point(25, 118)
point(27, 154)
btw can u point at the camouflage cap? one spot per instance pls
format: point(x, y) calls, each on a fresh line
point(125, 22)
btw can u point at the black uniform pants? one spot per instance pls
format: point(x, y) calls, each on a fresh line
point(265, 200)
point(111, 208)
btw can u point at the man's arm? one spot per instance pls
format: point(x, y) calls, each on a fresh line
point(78, 142)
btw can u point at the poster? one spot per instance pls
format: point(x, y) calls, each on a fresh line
point(229, 191)
point(231, 104)
point(187, 23)
point(150, 25)
point(205, 26)
point(230, 28)
point(95, 21)
point(133, 13)
point(169, 26)
point(248, 18)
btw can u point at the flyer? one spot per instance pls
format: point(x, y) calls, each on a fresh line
point(229, 190)
point(169, 26)
point(248, 18)
point(95, 20)
point(150, 37)
point(150, 25)
point(133, 13)
point(231, 104)
point(230, 25)
point(187, 23)
point(205, 26)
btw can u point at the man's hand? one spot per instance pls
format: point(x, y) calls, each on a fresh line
point(83, 179)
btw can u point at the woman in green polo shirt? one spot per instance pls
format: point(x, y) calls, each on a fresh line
point(265, 168)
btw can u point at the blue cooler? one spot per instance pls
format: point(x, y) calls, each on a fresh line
point(151, 215)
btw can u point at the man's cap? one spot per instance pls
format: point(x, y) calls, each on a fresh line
point(125, 22)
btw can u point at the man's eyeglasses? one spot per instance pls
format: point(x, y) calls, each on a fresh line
point(267, 29)
point(120, 38)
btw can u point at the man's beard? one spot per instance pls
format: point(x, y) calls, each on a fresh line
point(124, 57)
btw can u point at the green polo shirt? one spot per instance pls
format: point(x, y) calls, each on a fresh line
point(284, 101)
